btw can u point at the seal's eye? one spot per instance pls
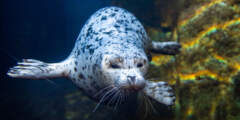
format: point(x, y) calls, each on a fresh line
point(114, 66)
point(139, 65)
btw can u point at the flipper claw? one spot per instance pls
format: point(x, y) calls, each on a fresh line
point(160, 91)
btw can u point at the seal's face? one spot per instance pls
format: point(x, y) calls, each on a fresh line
point(125, 73)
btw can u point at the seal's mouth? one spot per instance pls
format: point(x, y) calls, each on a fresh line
point(134, 87)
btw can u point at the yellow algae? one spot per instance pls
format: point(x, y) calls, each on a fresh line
point(223, 90)
point(231, 23)
point(200, 11)
point(212, 29)
point(189, 111)
point(195, 41)
point(220, 58)
point(193, 76)
point(161, 59)
point(237, 66)
point(213, 110)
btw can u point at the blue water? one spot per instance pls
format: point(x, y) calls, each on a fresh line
point(44, 30)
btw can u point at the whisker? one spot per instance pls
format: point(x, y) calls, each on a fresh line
point(152, 79)
point(117, 99)
point(111, 94)
point(116, 102)
point(151, 105)
point(9, 55)
point(113, 98)
point(120, 98)
point(51, 82)
point(99, 92)
point(102, 99)
point(146, 106)
point(124, 96)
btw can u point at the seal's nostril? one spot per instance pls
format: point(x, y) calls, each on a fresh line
point(131, 79)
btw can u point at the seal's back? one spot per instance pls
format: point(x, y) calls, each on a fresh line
point(109, 26)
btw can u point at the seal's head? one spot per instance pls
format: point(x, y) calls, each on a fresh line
point(125, 71)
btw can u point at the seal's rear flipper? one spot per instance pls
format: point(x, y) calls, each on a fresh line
point(35, 69)
point(169, 48)
point(160, 91)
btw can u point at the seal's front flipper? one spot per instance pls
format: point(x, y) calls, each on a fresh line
point(35, 69)
point(169, 48)
point(160, 91)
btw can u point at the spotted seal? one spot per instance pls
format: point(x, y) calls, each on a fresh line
point(110, 58)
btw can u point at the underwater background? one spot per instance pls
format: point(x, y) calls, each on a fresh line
point(205, 75)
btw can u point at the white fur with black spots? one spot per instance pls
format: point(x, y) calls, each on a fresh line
point(110, 59)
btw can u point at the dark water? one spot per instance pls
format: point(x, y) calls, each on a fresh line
point(44, 30)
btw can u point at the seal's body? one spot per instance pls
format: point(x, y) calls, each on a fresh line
point(109, 36)
point(110, 58)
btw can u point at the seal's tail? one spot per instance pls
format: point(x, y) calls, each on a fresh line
point(35, 69)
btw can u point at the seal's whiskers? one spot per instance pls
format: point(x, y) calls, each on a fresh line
point(117, 100)
point(113, 99)
point(102, 90)
point(103, 98)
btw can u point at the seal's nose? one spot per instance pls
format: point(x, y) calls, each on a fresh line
point(135, 84)
point(131, 79)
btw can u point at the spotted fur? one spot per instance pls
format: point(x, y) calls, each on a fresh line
point(111, 50)
point(109, 31)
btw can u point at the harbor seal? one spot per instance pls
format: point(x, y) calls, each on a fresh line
point(109, 60)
